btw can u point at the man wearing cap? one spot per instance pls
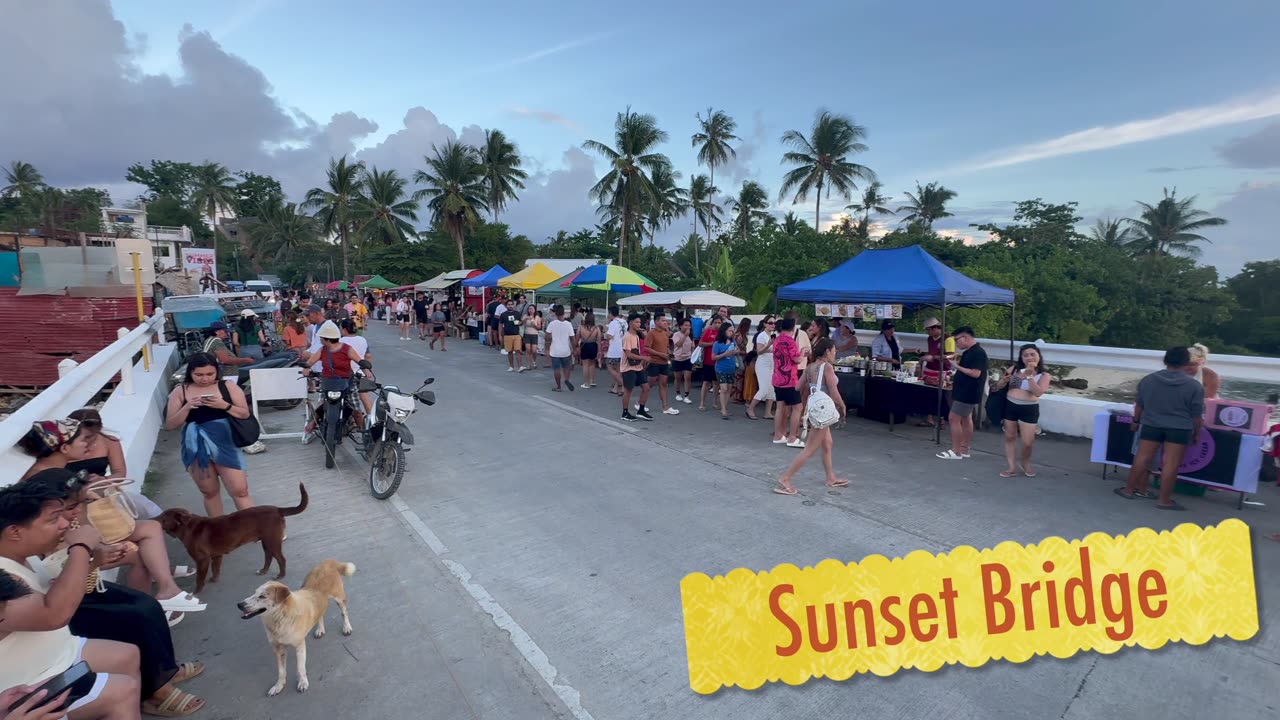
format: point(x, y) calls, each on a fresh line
point(216, 345)
point(936, 358)
point(249, 337)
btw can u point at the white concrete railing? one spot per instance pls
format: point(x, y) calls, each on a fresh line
point(1238, 367)
point(134, 411)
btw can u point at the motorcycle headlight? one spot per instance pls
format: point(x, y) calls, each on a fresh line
point(400, 414)
point(334, 394)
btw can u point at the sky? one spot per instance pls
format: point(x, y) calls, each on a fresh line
point(1102, 103)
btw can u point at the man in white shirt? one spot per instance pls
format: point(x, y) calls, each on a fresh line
point(315, 318)
point(613, 358)
point(562, 341)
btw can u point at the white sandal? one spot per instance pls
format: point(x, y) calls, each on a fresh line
point(182, 571)
point(182, 602)
point(949, 455)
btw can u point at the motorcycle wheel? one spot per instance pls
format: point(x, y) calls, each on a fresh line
point(386, 469)
point(285, 404)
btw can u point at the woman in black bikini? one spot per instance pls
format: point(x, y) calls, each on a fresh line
point(589, 349)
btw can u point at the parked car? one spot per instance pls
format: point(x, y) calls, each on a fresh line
point(262, 287)
point(235, 286)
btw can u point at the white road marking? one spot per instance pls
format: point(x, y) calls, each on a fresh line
point(528, 649)
point(410, 352)
point(589, 416)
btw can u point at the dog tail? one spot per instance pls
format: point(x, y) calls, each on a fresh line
point(286, 512)
point(347, 569)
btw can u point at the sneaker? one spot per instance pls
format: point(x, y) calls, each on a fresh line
point(796, 444)
point(679, 397)
point(511, 369)
point(522, 369)
point(644, 414)
point(687, 401)
point(671, 411)
point(255, 448)
point(628, 416)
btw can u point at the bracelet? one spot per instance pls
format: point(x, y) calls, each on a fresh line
point(75, 545)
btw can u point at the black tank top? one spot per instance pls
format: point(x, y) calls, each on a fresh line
point(207, 414)
point(94, 466)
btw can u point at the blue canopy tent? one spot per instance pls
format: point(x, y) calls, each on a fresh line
point(485, 280)
point(904, 276)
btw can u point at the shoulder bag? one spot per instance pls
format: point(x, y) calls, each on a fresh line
point(822, 410)
point(111, 512)
point(244, 431)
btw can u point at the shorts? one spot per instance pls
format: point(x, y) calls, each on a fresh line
point(99, 683)
point(402, 317)
point(511, 343)
point(1028, 414)
point(656, 370)
point(613, 362)
point(438, 328)
point(561, 363)
point(962, 409)
point(707, 374)
point(530, 341)
point(726, 378)
point(492, 323)
point(422, 319)
point(681, 365)
point(1174, 436)
point(786, 395)
point(589, 351)
point(633, 378)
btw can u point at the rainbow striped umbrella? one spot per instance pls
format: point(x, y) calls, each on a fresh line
point(613, 279)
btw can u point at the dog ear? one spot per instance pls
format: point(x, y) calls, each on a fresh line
point(278, 593)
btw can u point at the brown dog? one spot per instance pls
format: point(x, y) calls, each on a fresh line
point(208, 539)
point(288, 614)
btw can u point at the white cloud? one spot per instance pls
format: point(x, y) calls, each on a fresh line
point(1231, 112)
point(549, 117)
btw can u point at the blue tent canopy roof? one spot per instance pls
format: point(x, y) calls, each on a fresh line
point(906, 276)
point(488, 278)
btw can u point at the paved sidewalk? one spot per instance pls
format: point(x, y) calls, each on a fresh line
point(422, 647)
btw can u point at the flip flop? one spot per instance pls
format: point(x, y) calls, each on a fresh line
point(1127, 496)
point(949, 455)
point(174, 618)
point(1029, 474)
point(838, 484)
point(182, 602)
point(1174, 505)
point(177, 704)
point(187, 671)
point(1007, 474)
point(785, 491)
point(182, 571)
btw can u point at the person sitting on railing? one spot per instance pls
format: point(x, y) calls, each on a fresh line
point(58, 443)
point(1207, 377)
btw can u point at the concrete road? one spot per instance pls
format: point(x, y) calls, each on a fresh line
point(580, 527)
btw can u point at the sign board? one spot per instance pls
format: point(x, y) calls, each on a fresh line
point(199, 261)
point(858, 311)
point(1218, 458)
point(146, 261)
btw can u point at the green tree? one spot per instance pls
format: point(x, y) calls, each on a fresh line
point(714, 143)
point(22, 180)
point(165, 178)
point(750, 207)
point(873, 202)
point(1256, 324)
point(626, 186)
point(279, 231)
point(383, 213)
point(213, 189)
point(669, 201)
point(1037, 222)
point(502, 173)
point(581, 244)
point(254, 192)
point(927, 204)
point(791, 223)
point(335, 202)
point(1111, 232)
point(822, 160)
point(455, 191)
point(1171, 226)
point(705, 210)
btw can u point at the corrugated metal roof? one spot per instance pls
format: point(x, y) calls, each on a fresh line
point(42, 330)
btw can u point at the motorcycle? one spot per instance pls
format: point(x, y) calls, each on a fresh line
point(386, 437)
point(337, 412)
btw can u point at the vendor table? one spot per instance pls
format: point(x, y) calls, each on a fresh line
point(887, 400)
point(1218, 458)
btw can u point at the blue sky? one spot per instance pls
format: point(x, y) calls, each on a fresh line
point(982, 96)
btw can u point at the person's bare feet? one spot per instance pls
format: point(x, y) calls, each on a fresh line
point(1008, 473)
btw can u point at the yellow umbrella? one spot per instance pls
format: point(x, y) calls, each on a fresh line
point(530, 278)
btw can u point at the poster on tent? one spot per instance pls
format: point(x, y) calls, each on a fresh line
point(475, 292)
point(199, 261)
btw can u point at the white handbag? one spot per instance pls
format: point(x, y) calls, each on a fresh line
point(822, 410)
point(696, 357)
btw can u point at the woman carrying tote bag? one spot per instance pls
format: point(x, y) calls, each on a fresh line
point(823, 412)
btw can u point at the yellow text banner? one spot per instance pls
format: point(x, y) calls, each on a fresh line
point(1012, 602)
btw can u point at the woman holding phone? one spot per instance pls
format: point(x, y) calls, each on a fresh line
point(202, 407)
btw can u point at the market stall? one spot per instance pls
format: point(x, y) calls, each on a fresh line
point(684, 298)
point(613, 280)
point(562, 288)
point(377, 282)
point(530, 278)
point(1220, 458)
point(908, 277)
point(477, 287)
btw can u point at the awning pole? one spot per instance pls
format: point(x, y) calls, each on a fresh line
point(942, 364)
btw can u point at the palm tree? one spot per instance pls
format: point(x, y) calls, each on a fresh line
point(669, 201)
point(627, 186)
point(502, 173)
point(22, 180)
point(702, 201)
point(873, 202)
point(1170, 227)
point(822, 160)
point(215, 189)
point(455, 192)
point(1112, 232)
point(750, 206)
point(713, 145)
point(383, 212)
point(280, 230)
point(791, 223)
point(929, 203)
point(333, 203)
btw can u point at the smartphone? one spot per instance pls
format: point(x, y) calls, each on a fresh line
point(78, 678)
point(208, 397)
